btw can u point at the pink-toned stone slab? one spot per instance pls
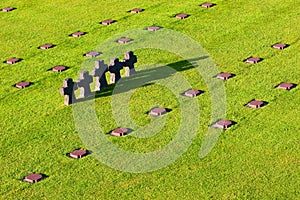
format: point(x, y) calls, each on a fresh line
point(78, 34)
point(119, 132)
point(192, 93)
point(286, 86)
point(33, 178)
point(207, 5)
point(13, 60)
point(8, 9)
point(22, 85)
point(153, 28)
point(280, 46)
point(223, 124)
point(256, 104)
point(78, 154)
point(253, 60)
point(92, 54)
point(59, 68)
point(182, 16)
point(46, 46)
point(137, 10)
point(157, 111)
point(124, 40)
point(224, 76)
point(108, 22)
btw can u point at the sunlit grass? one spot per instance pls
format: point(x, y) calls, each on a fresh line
point(258, 158)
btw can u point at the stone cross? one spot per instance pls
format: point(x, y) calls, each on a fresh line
point(99, 73)
point(114, 68)
point(84, 84)
point(128, 62)
point(68, 91)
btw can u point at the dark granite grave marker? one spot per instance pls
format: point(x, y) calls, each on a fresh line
point(128, 62)
point(114, 68)
point(68, 91)
point(99, 73)
point(84, 84)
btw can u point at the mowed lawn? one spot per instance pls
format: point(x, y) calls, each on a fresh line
point(258, 158)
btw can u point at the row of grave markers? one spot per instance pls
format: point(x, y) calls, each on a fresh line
point(225, 124)
point(99, 65)
point(99, 72)
point(136, 10)
point(114, 69)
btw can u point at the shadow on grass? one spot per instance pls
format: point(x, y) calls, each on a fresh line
point(144, 78)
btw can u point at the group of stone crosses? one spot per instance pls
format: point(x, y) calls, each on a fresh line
point(99, 72)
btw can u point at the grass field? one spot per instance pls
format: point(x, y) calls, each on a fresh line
point(258, 158)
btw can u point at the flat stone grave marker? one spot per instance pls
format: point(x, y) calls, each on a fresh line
point(13, 60)
point(286, 86)
point(256, 104)
point(137, 10)
point(78, 153)
point(8, 9)
point(119, 132)
point(68, 91)
point(153, 28)
point(124, 40)
point(23, 85)
point(253, 60)
point(107, 22)
point(225, 76)
point(207, 5)
point(223, 124)
point(280, 46)
point(157, 111)
point(84, 84)
point(92, 54)
point(33, 178)
point(192, 93)
point(46, 46)
point(182, 16)
point(78, 34)
point(59, 68)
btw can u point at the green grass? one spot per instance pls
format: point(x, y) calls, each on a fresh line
point(258, 158)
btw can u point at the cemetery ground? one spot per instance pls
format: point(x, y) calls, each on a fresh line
point(257, 158)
